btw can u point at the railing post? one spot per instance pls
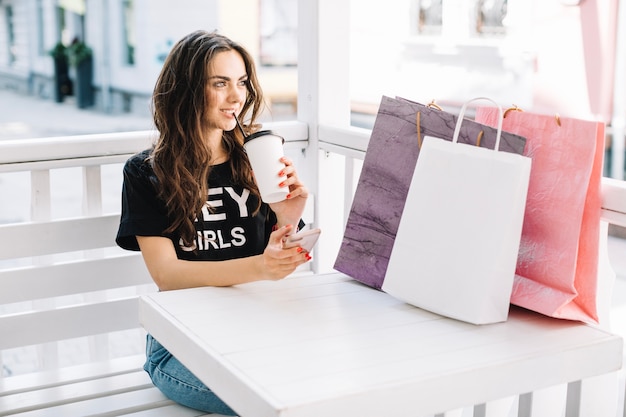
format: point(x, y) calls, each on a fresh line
point(40, 206)
point(348, 188)
point(525, 405)
point(92, 190)
point(92, 206)
point(618, 122)
point(323, 89)
point(572, 408)
point(40, 210)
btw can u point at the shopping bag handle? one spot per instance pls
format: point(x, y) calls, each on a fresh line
point(459, 121)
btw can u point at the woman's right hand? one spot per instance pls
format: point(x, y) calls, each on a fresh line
point(171, 273)
point(279, 262)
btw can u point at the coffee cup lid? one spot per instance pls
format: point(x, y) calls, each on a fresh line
point(261, 133)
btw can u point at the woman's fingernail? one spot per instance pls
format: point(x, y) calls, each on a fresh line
point(308, 257)
point(288, 196)
point(281, 174)
point(299, 249)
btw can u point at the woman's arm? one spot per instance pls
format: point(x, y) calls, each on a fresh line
point(169, 272)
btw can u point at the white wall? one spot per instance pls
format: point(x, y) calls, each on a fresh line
point(159, 24)
point(554, 56)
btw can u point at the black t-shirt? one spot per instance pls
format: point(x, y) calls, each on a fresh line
point(227, 231)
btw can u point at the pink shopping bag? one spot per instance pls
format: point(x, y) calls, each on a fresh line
point(557, 268)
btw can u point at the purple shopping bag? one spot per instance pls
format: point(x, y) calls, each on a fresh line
point(386, 176)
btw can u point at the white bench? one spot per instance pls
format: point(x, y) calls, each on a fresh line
point(66, 289)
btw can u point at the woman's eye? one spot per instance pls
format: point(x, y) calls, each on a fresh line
point(220, 84)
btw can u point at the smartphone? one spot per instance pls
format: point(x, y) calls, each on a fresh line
point(306, 239)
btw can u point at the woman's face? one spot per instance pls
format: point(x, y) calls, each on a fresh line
point(225, 90)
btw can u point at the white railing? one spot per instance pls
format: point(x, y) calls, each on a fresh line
point(40, 156)
point(341, 150)
point(58, 178)
point(93, 151)
point(352, 144)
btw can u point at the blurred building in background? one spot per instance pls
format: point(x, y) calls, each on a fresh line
point(539, 55)
point(548, 56)
point(128, 40)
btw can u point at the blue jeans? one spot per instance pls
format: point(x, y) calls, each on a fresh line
point(178, 383)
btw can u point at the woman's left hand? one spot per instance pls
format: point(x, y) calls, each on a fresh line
point(289, 211)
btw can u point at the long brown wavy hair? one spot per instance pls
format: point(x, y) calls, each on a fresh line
point(181, 157)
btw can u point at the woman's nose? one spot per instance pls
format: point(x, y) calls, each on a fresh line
point(236, 93)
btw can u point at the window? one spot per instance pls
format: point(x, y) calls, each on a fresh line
point(279, 33)
point(490, 16)
point(432, 17)
point(12, 47)
point(40, 28)
point(428, 17)
point(61, 27)
point(128, 21)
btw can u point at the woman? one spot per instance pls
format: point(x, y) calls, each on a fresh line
point(191, 205)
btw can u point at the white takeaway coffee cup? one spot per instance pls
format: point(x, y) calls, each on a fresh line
point(264, 149)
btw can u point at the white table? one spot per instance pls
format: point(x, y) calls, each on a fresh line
point(325, 345)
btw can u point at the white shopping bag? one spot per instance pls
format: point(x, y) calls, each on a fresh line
point(456, 249)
